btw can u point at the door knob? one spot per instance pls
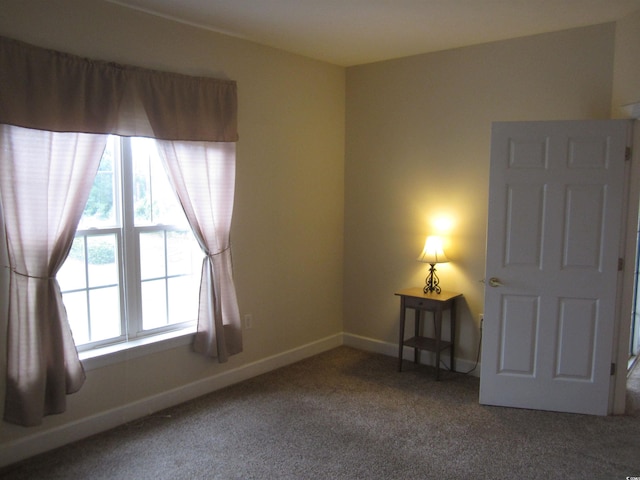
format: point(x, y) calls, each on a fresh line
point(494, 282)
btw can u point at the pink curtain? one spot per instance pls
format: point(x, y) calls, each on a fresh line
point(203, 175)
point(45, 180)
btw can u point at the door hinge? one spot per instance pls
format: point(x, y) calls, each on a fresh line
point(627, 154)
point(620, 264)
point(613, 369)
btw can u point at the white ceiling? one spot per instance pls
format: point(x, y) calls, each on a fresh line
point(352, 32)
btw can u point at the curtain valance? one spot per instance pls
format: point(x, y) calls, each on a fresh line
point(49, 90)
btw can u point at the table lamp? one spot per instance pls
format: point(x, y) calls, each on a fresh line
point(432, 253)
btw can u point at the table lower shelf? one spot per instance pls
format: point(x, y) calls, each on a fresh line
point(426, 343)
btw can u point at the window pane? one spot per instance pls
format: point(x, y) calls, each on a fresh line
point(76, 306)
point(152, 255)
point(154, 199)
point(180, 280)
point(103, 262)
point(105, 313)
point(71, 275)
point(184, 256)
point(154, 304)
point(183, 299)
point(101, 208)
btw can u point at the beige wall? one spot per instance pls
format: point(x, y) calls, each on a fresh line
point(288, 218)
point(418, 140)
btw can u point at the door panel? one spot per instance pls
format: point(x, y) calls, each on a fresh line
point(518, 335)
point(553, 241)
point(584, 220)
point(525, 217)
point(576, 336)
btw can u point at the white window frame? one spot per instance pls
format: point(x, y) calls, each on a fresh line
point(133, 341)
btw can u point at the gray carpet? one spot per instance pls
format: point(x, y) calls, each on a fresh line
point(348, 414)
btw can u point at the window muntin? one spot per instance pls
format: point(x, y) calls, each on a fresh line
point(134, 267)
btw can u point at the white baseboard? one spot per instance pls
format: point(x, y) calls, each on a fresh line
point(43, 441)
point(391, 350)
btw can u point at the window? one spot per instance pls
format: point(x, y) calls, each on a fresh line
point(113, 293)
point(134, 267)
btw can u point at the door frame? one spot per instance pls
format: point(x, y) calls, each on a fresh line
point(626, 293)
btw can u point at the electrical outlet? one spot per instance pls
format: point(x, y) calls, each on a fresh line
point(248, 321)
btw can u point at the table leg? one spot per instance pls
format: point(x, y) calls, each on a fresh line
point(416, 352)
point(452, 312)
point(401, 341)
point(438, 335)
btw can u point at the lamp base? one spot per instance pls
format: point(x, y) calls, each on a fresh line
point(432, 282)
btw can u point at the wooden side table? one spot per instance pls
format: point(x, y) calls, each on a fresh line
point(419, 301)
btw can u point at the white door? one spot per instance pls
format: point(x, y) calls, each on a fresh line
point(553, 244)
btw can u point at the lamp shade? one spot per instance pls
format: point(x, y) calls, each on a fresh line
point(432, 252)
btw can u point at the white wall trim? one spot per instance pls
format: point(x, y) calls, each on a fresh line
point(43, 441)
point(618, 394)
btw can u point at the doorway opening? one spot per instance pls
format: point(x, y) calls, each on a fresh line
point(634, 339)
point(634, 220)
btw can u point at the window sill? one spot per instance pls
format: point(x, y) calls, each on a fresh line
point(112, 354)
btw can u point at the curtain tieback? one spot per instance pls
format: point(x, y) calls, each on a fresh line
point(27, 275)
point(211, 255)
